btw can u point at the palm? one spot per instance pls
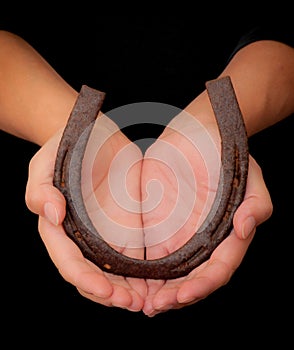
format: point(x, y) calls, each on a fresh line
point(111, 187)
point(158, 202)
point(180, 175)
point(166, 195)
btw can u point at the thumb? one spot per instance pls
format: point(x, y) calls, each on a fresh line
point(257, 205)
point(41, 196)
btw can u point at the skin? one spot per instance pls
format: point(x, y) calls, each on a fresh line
point(26, 77)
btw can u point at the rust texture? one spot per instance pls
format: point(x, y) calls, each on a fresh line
point(215, 228)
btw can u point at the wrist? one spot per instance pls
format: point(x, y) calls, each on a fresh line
point(262, 74)
point(201, 109)
point(53, 114)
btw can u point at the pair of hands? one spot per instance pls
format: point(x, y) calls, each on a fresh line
point(158, 200)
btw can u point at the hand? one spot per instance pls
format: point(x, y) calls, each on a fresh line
point(187, 165)
point(176, 159)
point(46, 201)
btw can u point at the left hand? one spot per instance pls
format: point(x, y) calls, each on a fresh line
point(177, 162)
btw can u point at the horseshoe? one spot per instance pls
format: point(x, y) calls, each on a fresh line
point(215, 228)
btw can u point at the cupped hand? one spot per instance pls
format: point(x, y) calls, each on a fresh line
point(187, 157)
point(45, 200)
point(163, 197)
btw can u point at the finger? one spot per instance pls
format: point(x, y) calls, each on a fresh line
point(153, 287)
point(256, 207)
point(121, 298)
point(162, 296)
point(41, 196)
point(139, 285)
point(216, 272)
point(89, 280)
point(201, 282)
point(70, 262)
point(126, 293)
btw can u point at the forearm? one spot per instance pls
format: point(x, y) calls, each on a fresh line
point(34, 100)
point(262, 74)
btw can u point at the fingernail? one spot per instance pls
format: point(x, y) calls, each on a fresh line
point(248, 226)
point(51, 213)
point(188, 300)
point(165, 307)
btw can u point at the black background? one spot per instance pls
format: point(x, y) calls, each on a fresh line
point(138, 58)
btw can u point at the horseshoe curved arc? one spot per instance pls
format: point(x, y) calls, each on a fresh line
point(215, 228)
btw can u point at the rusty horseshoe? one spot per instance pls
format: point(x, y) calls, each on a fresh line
point(234, 164)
